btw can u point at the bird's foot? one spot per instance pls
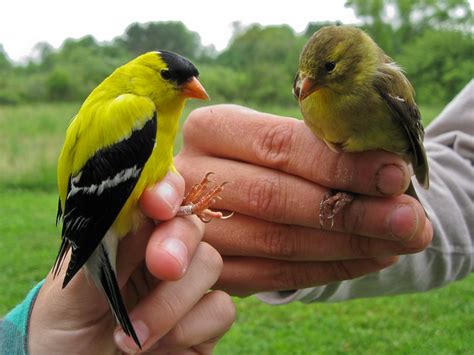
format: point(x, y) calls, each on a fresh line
point(198, 200)
point(331, 204)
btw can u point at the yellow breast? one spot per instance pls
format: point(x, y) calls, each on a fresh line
point(351, 124)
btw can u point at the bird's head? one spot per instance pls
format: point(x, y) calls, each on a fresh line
point(166, 76)
point(339, 58)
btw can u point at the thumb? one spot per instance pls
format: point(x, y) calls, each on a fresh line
point(161, 201)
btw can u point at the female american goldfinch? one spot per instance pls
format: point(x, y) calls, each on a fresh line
point(355, 98)
point(120, 143)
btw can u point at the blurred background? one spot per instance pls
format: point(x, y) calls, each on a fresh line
point(246, 55)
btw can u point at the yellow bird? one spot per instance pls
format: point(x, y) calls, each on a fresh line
point(119, 143)
point(355, 98)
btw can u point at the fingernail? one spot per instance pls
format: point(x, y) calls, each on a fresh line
point(177, 249)
point(169, 194)
point(126, 343)
point(404, 222)
point(390, 180)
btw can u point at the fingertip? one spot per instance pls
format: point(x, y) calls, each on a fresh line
point(126, 343)
point(404, 222)
point(423, 240)
point(392, 179)
point(171, 247)
point(387, 261)
point(167, 259)
point(162, 200)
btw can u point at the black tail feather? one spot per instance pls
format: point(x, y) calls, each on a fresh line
point(63, 249)
point(110, 285)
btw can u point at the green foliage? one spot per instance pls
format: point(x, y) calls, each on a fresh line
point(412, 18)
point(268, 56)
point(59, 84)
point(439, 64)
point(5, 64)
point(172, 36)
point(260, 62)
point(224, 84)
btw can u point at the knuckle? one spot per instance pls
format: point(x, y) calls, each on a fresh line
point(178, 338)
point(211, 259)
point(224, 308)
point(284, 278)
point(353, 217)
point(265, 195)
point(340, 271)
point(290, 276)
point(273, 144)
point(169, 308)
point(360, 246)
point(276, 242)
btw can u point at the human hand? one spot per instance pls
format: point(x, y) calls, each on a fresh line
point(175, 314)
point(278, 173)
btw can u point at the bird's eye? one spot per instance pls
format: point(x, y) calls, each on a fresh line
point(329, 66)
point(165, 74)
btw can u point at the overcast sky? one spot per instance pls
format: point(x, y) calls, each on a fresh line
point(25, 23)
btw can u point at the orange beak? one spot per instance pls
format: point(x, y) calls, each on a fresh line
point(193, 89)
point(308, 86)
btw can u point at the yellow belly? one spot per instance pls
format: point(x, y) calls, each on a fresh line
point(352, 126)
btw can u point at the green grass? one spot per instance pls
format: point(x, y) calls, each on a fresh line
point(438, 322)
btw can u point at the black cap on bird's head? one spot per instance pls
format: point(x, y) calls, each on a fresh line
point(182, 72)
point(179, 69)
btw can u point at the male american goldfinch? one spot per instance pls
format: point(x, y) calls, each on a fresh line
point(119, 143)
point(355, 98)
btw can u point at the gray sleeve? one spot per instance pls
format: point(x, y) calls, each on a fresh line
point(449, 144)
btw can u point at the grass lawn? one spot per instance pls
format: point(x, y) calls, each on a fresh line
point(440, 321)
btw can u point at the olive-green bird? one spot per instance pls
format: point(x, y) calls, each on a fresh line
point(355, 98)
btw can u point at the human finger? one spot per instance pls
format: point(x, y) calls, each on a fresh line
point(162, 200)
point(253, 237)
point(246, 276)
point(287, 145)
point(158, 313)
point(172, 246)
point(283, 198)
point(216, 308)
point(160, 203)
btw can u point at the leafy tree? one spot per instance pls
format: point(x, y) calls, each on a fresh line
point(5, 63)
point(269, 58)
point(410, 18)
point(437, 68)
point(59, 85)
point(172, 36)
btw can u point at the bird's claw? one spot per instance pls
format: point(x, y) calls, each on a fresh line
point(331, 204)
point(200, 197)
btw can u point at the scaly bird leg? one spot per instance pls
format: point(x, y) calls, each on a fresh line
point(199, 198)
point(331, 204)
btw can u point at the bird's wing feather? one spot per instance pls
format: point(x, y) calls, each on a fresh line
point(98, 191)
point(108, 281)
point(397, 92)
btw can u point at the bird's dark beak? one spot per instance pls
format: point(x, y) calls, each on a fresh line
point(308, 86)
point(193, 89)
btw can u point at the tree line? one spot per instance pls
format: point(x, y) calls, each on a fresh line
point(431, 40)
